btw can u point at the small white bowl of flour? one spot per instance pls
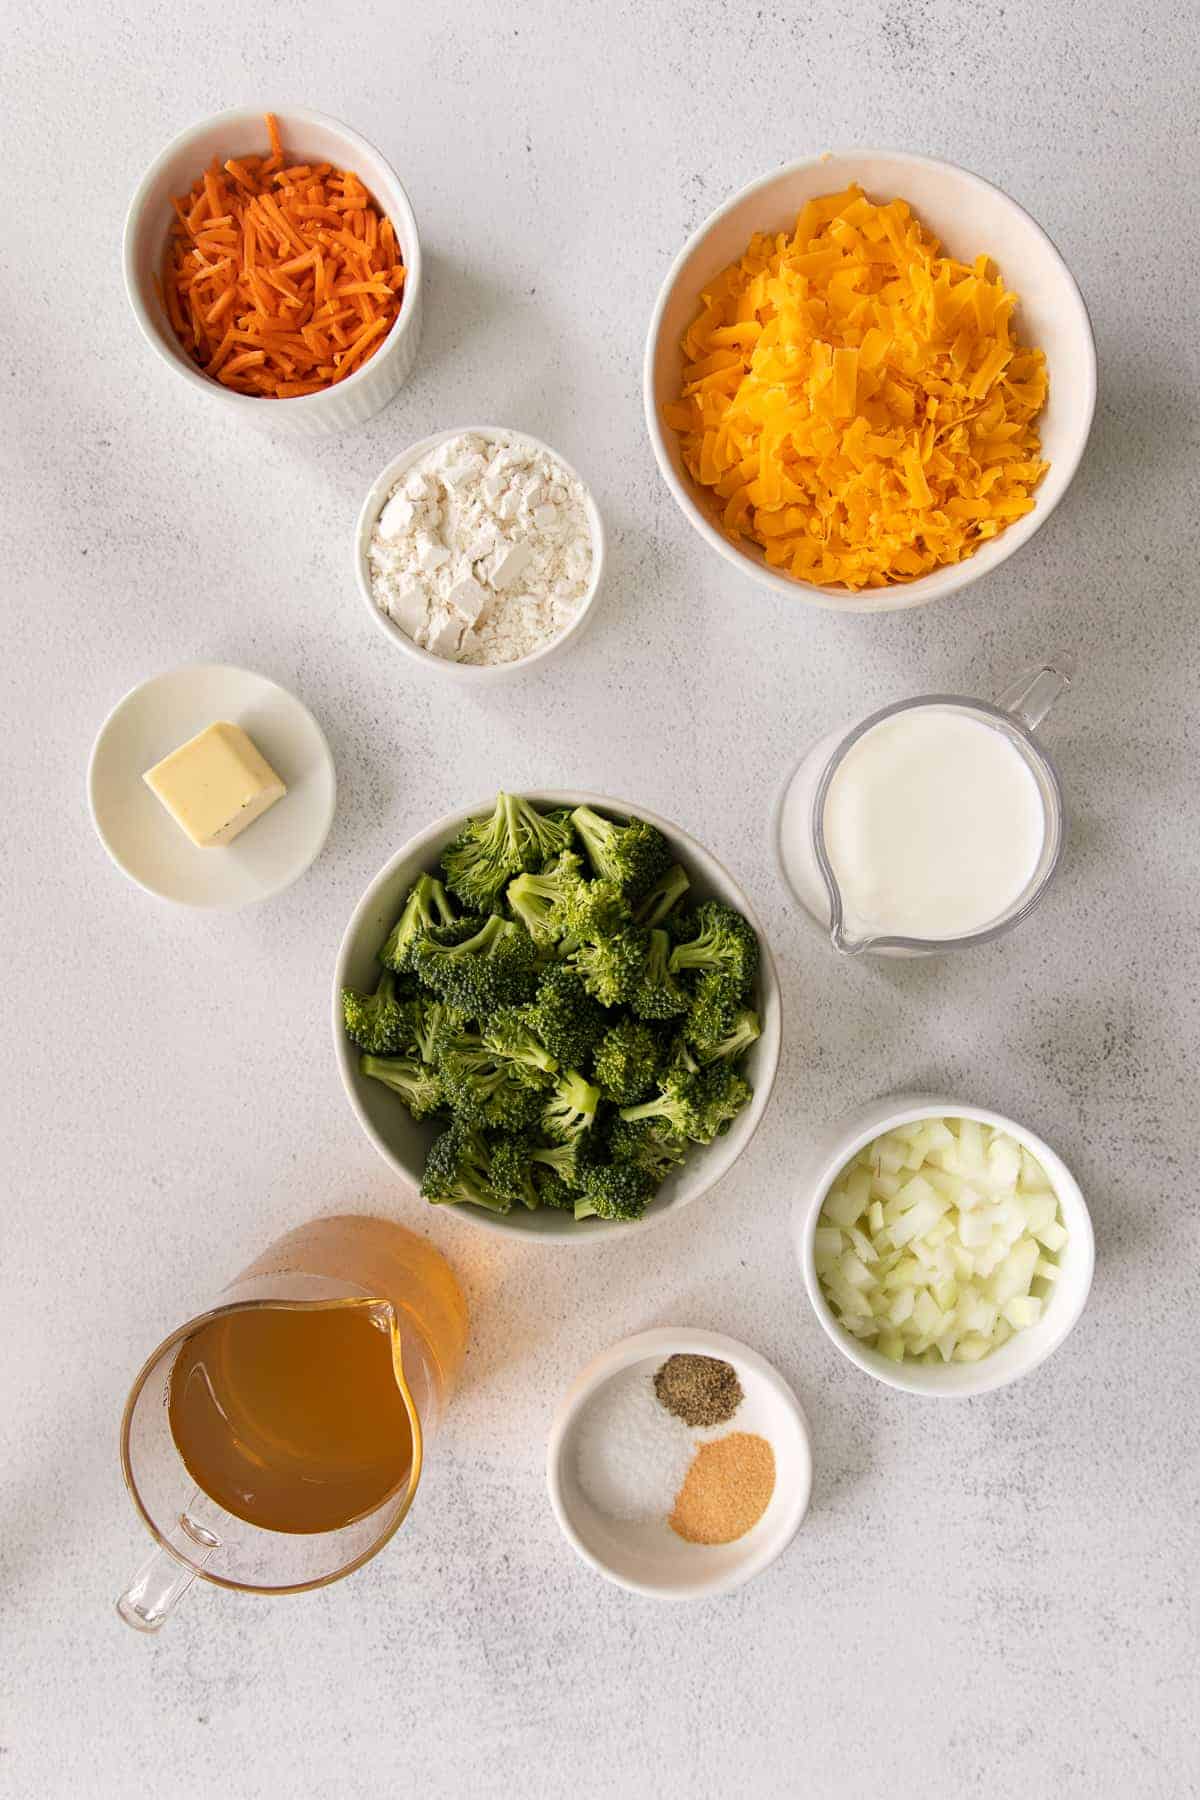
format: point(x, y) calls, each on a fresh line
point(479, 552)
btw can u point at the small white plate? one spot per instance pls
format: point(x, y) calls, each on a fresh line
point(649, 1558)
point(140, 835)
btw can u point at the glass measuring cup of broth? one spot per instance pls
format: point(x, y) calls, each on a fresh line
point(274, 1443)
point(934, 824)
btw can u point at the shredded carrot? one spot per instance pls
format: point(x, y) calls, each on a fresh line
point(281, 278)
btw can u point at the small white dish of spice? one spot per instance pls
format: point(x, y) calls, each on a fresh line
point(479, 552)
point(679, 1464)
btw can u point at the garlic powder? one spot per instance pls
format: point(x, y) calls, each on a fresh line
point(483, 550)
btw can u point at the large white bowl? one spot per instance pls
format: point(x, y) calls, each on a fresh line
point(970, 216)
point(470, 674)
point(1023, 1351)
point(403, 1143)
point(311, 137)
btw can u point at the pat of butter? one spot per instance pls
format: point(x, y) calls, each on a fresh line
point(216, 784)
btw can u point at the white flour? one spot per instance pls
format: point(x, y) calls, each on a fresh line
point(482, 552)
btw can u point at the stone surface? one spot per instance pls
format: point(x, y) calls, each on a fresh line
point(995, 1597)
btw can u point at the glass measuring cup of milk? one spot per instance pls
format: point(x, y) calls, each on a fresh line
point(935, 823)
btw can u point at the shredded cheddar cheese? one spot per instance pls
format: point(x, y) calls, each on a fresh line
point(280, 279)
point(856, 401)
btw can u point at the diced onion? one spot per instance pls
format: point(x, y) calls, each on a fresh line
point(939, 1241)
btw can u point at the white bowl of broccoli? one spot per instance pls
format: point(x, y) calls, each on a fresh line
point(569, 1026)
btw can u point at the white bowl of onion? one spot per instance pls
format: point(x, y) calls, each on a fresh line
point(946, 1249)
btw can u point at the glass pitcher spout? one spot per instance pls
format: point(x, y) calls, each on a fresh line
point(843, 941)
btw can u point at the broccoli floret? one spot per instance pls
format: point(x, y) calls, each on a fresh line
point(593, 910)
point(564, 1017)
point(495, 967)
point(626, 1060)
point(566, 1161)
point(679, 1056)
point(485, 1090)
point(552, 1190)
point(543, 835)
point(508, 1036)
point(540, 902)
point(615, 1191)
point(378, 1023)
point(458, 1169)
point(611, 967)
point(483, 858)
point(431, 1021)
point(530, 1173)
point(719, 1096)
point(681, 925)
point(714, 1009)
point(489, 851)
point(457, 932)
point(701, 1106)
point(724, 944)
point(512, 1170)
point(570, 1108)
point(417, 1085)
point(426, 908)
point(662, 898)
point(658, 995)
point(735, 1042)
point(633, 855)
point(648, 1144)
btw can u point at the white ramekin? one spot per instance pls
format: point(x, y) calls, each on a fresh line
point(372, 506)
point(1023, 1351)
point(310, 137)
point(970, 216)
point(664, 1567)
point(404, 1143)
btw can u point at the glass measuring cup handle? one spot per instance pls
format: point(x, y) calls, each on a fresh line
point(1031, 694)
point(164, 1578)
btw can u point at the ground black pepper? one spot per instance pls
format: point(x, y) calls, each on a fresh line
point(700, 1390)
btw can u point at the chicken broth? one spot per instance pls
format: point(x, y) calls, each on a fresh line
point(292, 1418)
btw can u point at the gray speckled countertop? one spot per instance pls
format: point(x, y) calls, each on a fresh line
point(992, 1598)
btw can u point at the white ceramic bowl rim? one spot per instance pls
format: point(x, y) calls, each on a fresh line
point(398, 208)
point(667, 1341)
point(1035, 1344)
point(712, 1161)
point(373, 505)
point(908, 594)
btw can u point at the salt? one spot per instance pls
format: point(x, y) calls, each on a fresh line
point(632, 1456)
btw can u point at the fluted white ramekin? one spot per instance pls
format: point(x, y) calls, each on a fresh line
point(310, 137)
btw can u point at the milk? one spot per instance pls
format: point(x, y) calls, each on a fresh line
point(933, 822)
